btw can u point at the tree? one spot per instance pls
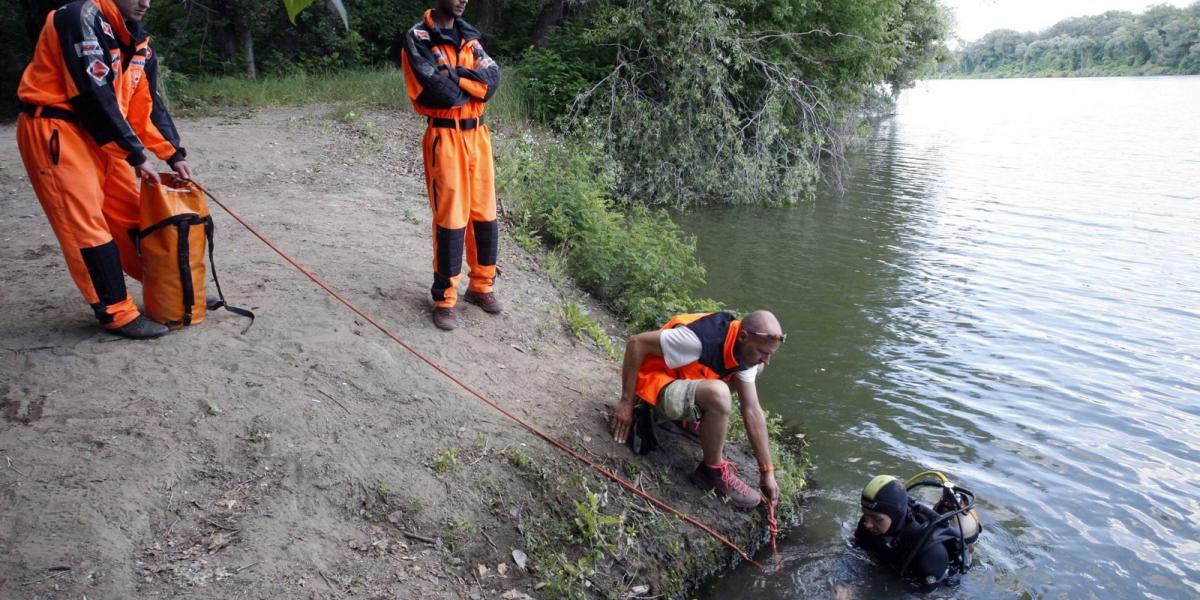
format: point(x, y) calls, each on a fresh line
point(922, 28)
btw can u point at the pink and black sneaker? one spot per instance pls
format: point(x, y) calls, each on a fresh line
point(724, 479)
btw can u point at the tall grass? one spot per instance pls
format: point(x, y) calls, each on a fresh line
point(511, 103)
point(382, 87)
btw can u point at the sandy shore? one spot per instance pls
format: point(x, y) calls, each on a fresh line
point(310, 457)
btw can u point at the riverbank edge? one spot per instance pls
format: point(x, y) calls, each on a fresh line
point(704, 557)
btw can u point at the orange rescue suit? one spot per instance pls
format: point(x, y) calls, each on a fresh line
point(90, 111)
point(449, 77)
point(718, 334)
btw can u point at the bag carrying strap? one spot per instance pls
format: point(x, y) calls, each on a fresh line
point(183, 254)
point(208, 233)
point(137, 235)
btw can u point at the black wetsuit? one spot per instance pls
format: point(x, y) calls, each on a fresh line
point(929, 567)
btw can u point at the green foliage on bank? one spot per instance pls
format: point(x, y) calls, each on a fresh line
point(735, 101)
point(636, 260)
point(1164, 40)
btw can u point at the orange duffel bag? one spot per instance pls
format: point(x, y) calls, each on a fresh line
point(175, 228)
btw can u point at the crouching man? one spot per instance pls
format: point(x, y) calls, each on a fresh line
point(686, 372)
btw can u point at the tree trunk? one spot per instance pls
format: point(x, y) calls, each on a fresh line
point(485, 16)
point(550, 16)
point(248, 49)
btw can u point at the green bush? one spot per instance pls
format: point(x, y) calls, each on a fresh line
point(638, 261)
point(554, 76)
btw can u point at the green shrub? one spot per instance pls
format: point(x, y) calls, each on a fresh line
point(638, 261)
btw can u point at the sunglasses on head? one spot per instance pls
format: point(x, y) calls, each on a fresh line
point(775, 337)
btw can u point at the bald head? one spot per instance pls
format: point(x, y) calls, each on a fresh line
point(752, 350)
point(763, 322)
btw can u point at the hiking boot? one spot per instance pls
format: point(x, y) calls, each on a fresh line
point(140, 328)
point(724, 479)
point(641, 435)
point(485, 300)
point(444, 318)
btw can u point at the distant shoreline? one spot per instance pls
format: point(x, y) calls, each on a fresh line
point(1063, 75)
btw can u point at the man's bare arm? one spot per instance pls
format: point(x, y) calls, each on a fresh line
point(636, 350)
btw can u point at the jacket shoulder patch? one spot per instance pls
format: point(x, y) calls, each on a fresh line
point(98, 71)
point(420, 34)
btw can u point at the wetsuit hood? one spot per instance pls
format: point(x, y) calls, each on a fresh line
point(886, 494)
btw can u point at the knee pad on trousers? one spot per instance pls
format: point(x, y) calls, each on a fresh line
point(449, 259)
point(487, 238)
point(104, 267)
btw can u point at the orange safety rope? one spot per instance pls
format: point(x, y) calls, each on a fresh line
point(773, 526)
point(534, 430)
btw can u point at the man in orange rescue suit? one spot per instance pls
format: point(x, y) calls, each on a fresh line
point(449, 78)
point(685, 373)
point(90, 111)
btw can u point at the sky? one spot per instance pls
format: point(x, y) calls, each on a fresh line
point(977, 17)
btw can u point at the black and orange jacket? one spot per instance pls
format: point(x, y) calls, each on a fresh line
point(89, 62)
point(444, 79)
point(718, 334)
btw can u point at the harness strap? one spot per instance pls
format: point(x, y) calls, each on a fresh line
point(939, 531)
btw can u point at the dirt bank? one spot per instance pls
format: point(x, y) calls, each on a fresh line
point(311, 457)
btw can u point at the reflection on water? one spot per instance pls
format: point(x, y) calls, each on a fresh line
point(1009, 292)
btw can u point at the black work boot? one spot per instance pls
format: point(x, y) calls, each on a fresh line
point(141, 328)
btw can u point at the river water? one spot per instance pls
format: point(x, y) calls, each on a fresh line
point(1008, 292)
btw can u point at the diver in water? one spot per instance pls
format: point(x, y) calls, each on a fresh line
point(926, 546)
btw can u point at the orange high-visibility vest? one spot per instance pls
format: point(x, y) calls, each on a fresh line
point(718, 333)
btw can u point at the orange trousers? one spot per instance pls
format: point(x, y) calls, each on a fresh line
point(460, 178)
point(91, 199)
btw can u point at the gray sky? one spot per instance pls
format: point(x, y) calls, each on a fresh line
point(977, 17)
